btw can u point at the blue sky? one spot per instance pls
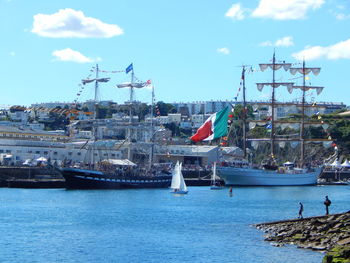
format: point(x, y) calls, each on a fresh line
point(191, 50)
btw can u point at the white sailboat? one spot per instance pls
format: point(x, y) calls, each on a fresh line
point(287, 175)
point(215, 185)
point(178, 182)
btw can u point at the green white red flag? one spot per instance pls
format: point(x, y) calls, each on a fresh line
point(214, 127)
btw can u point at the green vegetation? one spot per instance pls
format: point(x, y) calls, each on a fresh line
point(339, 254)
point(164, 108)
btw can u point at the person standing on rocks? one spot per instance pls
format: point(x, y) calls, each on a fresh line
point(327, 203)
point(301, 209)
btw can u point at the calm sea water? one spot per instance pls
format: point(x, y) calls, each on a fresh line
point(58, 225)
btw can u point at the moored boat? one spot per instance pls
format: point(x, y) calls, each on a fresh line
point(260, 177)
point(115, 173)
point(270, 174)
point(114, 179)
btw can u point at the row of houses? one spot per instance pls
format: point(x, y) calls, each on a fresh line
point(19, 145)
point(282, 109)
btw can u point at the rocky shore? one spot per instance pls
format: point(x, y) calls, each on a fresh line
point(323, 233)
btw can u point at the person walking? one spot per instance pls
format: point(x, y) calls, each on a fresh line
point(301, 209)
point(327, 203)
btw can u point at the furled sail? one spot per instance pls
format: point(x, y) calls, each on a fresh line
point(85, 81)
point(306, 88)
point(305, 71)
point(132, 85)
point(289, 85)
point(275, 66)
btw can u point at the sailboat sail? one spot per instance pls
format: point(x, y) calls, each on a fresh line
point(213, 176)
point(183, 186)
point(178, 182)
point(175, 182)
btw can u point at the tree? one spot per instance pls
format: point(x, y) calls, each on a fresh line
point(175, 130)
point(84, 109)
point(165, 108)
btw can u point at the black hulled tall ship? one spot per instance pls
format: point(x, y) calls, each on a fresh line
point(116, 173)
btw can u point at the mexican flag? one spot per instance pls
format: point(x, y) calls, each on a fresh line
point(214, 127)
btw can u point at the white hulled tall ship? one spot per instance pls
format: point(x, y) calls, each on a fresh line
point(270, 174)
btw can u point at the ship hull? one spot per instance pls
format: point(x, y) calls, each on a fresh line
point(257, 177)
point(89, 179)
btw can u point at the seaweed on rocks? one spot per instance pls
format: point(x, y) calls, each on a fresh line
point(329, 233)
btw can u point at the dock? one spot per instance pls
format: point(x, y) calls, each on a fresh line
point(36, 183)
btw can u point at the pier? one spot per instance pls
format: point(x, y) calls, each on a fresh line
point(330, 233)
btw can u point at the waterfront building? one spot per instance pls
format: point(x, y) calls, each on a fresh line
point(174, 117)
point(52, 105)
point(187, 154)
point(194, 155)
point(20, 144)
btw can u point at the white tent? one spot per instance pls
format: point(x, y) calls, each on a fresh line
point(121, 162)
point(336, 163)
point(346, 163)
point(41, 159)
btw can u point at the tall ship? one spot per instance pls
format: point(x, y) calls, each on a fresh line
point(116, 173)
point(269, 173)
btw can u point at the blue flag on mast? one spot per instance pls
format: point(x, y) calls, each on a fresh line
point(129, 68)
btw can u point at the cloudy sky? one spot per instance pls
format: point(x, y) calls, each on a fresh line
point(191, 50)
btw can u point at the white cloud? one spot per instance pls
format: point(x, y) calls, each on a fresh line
point(339, 50)
point(266, 44)
point(341, 16)
point(235, 12)
point(339, 12)
point(71, 56)
point(223, 50)
point(282, 42)
point(287, 9)
point(71, 23)
point(12, 53)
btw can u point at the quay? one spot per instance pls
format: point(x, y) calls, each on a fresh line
point(46, 177)
point(36, 183)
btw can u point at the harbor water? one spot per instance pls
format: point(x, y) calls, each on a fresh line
point(58, 225)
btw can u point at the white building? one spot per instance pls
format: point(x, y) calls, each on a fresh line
point(22, 144)
point(187, 154)
point(174, 117)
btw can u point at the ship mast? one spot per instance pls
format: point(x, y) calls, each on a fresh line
point(130, 111)
point(152, 130)
point(302, 146)
point(131, 85)
point(272, 135)
point(274, 66)
point(95, 101)
point(94, 132)
point(244, 114)
point(304, 71)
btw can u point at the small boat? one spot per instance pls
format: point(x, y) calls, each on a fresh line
point(178, 182)
point(215, 185)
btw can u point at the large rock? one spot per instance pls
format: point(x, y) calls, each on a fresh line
point(326, 233)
